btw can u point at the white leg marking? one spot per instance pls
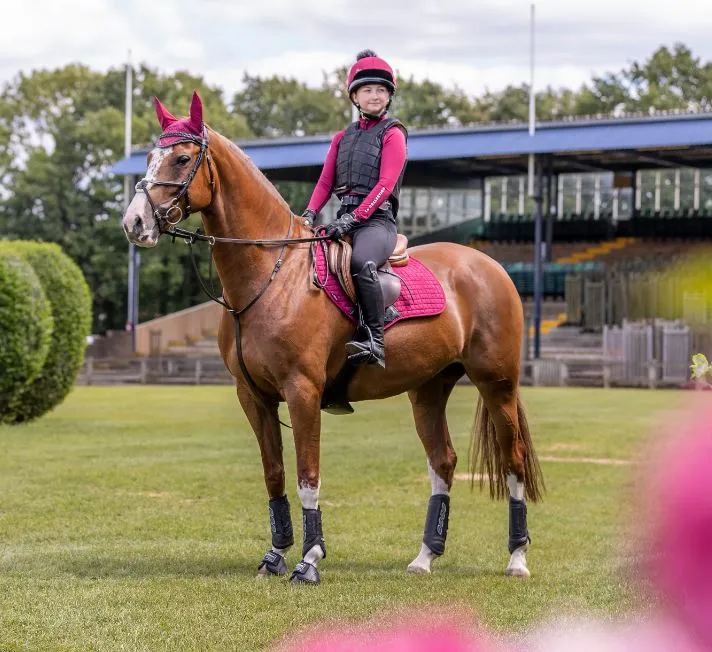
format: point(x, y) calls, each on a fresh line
point(517, 566)
point(516, 488)
point(309, 497)
point(421, 564)
point(314, 556)
point(437, 484)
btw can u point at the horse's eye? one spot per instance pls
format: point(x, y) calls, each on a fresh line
point(182, 159)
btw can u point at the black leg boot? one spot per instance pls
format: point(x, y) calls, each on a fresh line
point(370, 298)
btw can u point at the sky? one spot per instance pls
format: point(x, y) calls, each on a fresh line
point(475, 44)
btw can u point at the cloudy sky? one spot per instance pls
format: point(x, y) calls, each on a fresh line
point(472, 43)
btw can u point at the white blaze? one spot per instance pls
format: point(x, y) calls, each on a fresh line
point(139, 204)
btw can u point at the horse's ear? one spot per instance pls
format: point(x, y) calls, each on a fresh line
point(165, 117)
point(196, 112)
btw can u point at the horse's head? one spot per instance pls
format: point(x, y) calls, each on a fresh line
point(179, 180)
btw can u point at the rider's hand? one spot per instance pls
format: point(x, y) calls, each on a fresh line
point(309, 216)
point(340, 227)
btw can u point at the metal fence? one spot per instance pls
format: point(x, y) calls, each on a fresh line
point(196, 370)
point(629, 352)
point(647, 354)
point(596, 300)
point(676, 353)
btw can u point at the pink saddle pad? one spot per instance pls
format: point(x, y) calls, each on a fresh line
point(421, 293)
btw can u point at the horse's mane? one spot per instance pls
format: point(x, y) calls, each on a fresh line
point(250, 167)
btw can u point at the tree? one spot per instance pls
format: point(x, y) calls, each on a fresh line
point(428, 104)
point(669, 80)
point(279, 106)
point(60, 131)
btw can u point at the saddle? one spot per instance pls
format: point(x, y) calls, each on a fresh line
point(340, 267)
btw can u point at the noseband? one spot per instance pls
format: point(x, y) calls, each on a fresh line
point(174, 214)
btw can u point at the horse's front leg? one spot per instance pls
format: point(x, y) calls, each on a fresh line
point(303, 399)
point(264, 419)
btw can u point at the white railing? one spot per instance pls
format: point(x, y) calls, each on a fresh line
point(193, 370)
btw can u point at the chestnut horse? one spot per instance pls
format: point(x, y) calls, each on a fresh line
point(479, 334)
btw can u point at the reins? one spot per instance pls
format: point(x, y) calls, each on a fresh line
point(212, 239)
point(190, 237)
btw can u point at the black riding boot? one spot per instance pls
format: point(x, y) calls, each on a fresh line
point(370, 298)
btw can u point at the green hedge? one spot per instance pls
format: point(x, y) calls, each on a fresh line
point(26, 325)
point(70, 301)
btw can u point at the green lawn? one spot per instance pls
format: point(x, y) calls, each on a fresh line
point(134, 517)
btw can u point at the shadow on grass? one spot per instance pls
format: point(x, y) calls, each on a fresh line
point(151, 566)
point(146, 567)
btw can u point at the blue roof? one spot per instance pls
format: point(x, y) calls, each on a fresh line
point(573, 137)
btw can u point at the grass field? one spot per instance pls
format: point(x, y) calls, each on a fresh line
point(133, 518)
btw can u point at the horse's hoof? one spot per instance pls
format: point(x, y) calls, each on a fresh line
point(305, 573)
point(421, 564)
point(272, 564)
point(517, 566)
point(518, 572)
point(418, 568)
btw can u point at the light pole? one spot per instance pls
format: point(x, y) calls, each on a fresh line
point(132, 294)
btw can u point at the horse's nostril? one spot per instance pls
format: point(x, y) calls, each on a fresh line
point(138, 225)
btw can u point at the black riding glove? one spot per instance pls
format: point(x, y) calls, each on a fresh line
point(309, 216)
point(339, 228)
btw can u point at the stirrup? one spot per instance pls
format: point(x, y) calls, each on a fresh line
point(359, 353)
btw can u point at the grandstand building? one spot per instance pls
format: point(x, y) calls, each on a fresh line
point(620, 195)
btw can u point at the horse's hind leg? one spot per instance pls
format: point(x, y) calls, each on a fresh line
point(510, 461)
point(429, 402)
point(263, 418)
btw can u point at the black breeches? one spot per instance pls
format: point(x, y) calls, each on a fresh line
point(373, 240)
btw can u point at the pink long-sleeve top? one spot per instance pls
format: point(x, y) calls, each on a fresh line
point(393, 154)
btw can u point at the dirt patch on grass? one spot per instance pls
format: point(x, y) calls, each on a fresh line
point(605, 461)
point(565, 447)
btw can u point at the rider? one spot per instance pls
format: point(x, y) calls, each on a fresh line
point(364, 167)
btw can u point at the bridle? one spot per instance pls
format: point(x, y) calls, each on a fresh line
point(173, 213)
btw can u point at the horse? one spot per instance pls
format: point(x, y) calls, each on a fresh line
point(263, 254)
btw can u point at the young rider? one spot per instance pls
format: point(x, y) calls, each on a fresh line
point(364, 167)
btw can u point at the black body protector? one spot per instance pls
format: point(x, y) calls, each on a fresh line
point(358, 168)
point(358, 162)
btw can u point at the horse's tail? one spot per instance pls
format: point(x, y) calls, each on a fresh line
point(486, 459)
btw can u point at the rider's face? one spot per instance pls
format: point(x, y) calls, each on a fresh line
point(372, 98)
